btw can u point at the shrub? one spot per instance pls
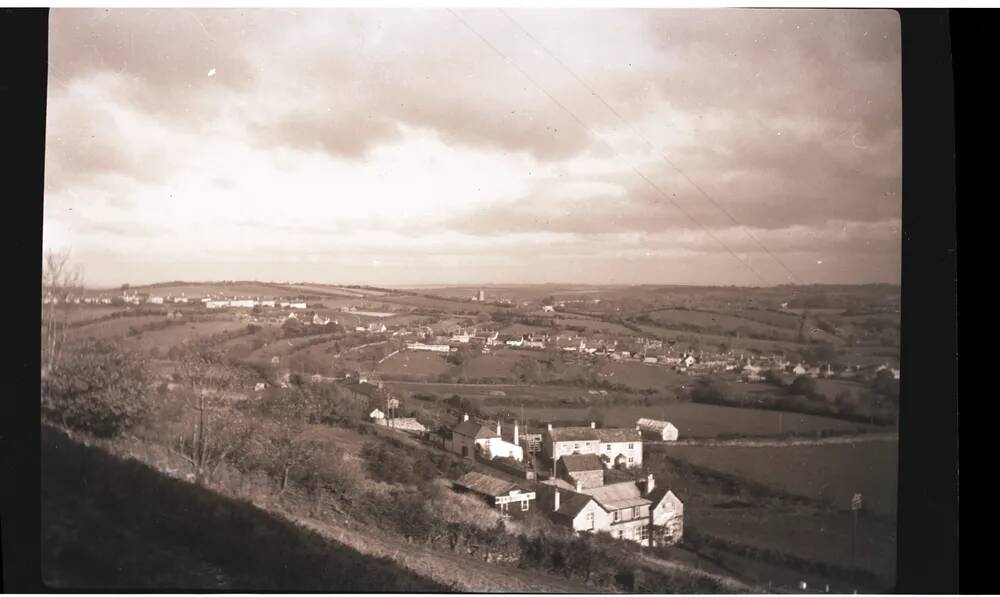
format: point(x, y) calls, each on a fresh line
point(98, 389)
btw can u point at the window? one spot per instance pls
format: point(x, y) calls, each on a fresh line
point(617, 515)
point(524, 505)
point(608, 447)
point(631, 461)
point(589, 521)
point(630, 446)
point(635, 512)
point(643, 532)
point(576, 447)
point(618, 533)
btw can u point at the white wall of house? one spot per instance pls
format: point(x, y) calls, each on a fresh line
point(499, 448)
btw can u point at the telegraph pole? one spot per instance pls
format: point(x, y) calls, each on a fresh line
point(856, 503)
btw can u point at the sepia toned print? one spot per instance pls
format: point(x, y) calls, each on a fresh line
point(471, 300)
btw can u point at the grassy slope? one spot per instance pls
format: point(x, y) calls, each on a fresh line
point(109, 523)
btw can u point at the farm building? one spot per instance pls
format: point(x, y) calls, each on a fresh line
point(508, 497)
point(376, 415)
point(470, 438)
point(661, 430)
point(428, 347)
point(407, 424)
point(619, 448)
point(582, 470)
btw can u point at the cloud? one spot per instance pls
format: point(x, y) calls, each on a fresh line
point(334, 136)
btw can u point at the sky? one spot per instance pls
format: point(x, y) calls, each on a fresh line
point(423, 146)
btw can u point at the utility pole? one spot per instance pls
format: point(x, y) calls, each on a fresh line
point(856, 504)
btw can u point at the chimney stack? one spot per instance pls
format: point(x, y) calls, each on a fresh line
point(516, 436)
point(593, 425)
point(550, 426)
point(649, 483)
point(555, 504)
point(498, 426)
point(465, 417)
point(579, 486)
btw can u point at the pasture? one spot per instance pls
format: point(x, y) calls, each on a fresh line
point(692, 420)
point(113, 328)
point(829, 473)
point(714, 322)
point(819, 536)
point(413, 364)
point(197, 290)
point(180, 334)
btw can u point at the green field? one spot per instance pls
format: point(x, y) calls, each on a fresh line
point(828, 473)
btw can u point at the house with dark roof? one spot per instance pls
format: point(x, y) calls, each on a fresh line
point(586, 469)
point(635, 511)
point(469, 438)
point(619, 448)
point(510, 498)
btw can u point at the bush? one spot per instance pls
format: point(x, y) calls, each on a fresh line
point(98, 389)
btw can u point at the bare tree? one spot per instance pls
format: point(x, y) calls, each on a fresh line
point(61, 285)
point(210, 431)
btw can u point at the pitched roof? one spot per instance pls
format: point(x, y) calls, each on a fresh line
point(617, 495)
point(582, 462)
point(570, 502)
point(486, 484)
point(654, 424)
point(573, 434)
point(475, 430)
point(656, 496)
point(618, 435)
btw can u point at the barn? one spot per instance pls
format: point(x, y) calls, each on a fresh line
point(660, 430)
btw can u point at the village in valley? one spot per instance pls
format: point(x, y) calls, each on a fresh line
point(705, 425)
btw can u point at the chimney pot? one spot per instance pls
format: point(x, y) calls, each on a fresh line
point(516, 436)
point(555, 504)
point(465, 417)
point(593, 425)
point(579, 486)
point(550, 426)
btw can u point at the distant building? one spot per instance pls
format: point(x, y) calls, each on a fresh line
point(428, 347)
point(548, 309)
point(661, 430)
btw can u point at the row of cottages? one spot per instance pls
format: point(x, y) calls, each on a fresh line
point(630, 510)
point(619, 448)
point(511, 499)
point(469, 438)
